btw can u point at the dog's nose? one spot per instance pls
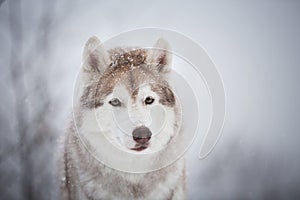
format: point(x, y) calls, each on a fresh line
point(141, 134)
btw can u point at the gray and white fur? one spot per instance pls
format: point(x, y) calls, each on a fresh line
point(132, 83)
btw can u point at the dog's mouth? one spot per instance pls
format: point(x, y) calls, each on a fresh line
point(140, 147)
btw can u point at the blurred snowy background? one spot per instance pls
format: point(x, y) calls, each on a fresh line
point(254, 44)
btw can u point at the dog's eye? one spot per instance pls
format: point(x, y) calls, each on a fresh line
point(115, 102)
point(149, 100)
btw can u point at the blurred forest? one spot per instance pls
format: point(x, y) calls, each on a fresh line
point(28, 131)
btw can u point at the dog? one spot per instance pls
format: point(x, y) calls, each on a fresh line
point(124, 99)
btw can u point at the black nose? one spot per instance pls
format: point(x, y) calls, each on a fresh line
point(141, 134)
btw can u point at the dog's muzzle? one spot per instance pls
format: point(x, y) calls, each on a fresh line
point(141, 135)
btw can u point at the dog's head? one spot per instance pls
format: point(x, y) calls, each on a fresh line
point(129, 92)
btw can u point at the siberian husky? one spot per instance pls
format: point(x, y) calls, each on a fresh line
point(130, 82)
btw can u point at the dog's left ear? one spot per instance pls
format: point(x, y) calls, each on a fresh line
point(160, 55)
point(95, 57)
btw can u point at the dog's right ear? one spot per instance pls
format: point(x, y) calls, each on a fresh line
point(161, 56)
point(95, 57)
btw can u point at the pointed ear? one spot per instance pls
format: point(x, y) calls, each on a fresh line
point(95, 57)
point(161, 56)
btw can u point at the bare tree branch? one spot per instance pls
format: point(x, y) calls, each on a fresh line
point(1, 1)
